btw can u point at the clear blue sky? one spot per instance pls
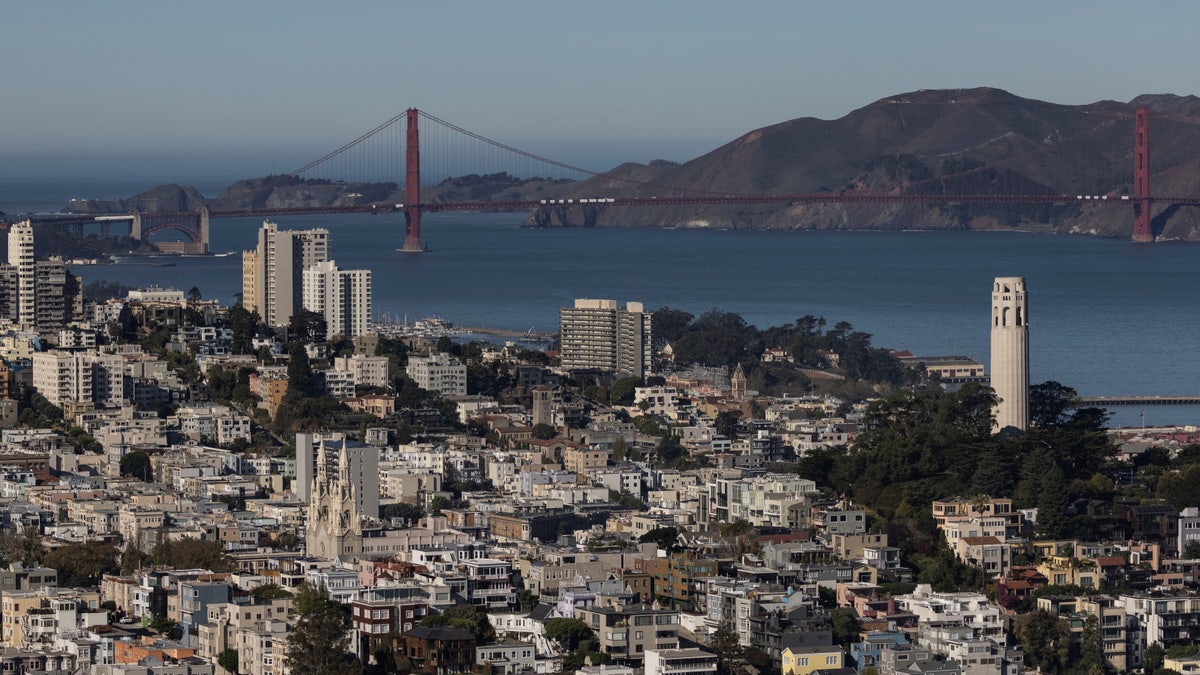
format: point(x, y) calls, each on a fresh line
point(259, 85)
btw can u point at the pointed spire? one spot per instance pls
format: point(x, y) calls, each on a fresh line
point(344, 463)
point(322, 462)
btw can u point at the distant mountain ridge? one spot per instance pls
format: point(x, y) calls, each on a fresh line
point(959, 141)
point(949, 141)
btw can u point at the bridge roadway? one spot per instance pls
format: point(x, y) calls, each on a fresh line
point(676, 200)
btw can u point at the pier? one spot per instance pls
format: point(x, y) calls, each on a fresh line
point(1107, 401)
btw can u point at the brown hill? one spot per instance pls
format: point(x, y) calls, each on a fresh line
point(961, 141)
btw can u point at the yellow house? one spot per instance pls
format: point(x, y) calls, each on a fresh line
point(806, 659)
point(1066, 571)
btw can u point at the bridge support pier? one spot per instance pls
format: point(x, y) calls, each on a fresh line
point(412, 231)
point(135, 226)
point(1142, 229)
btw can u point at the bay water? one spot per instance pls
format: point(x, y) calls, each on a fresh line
point(1106, 317)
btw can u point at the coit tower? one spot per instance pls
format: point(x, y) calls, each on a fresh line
point(1010, 352)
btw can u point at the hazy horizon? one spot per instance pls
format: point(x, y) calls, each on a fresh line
point(585, 85)
point(216, 167)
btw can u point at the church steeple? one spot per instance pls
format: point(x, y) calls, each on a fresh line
point(737, 384)
point(334, 527)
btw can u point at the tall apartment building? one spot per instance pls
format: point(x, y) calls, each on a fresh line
point(20, 256)
point(56, 295)
point(36, 293)
point(273, 273)
point(599, 335)
point(343, 297)
point(80, 377)
point(369, 371)
point(438, 372)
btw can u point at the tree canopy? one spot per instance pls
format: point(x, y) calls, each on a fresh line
point(83, 564)
point(568, 632)
point(320, 642)
point(137, 465)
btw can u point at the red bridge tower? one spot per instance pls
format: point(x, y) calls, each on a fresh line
point(1141, 176)
point(412, 186)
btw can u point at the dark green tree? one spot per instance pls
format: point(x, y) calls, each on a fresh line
point(81, 565)
point(1091, 649)
point(1192, 550)
point(1046, 639)
point(845, 625)
point(320, 642)
point(299, 372)
point(726, 423)
point(228, 659)
point(1052, 505)
point(137, 465)
point(307, 327)
point(543, 431)
point(270, 592)
point(568, 632)
point(622, 391)
point(244, 325)
point(1153, 657)
point(527, 599)
point(1049, 403)
point(669, 449)
point(22, 545)
point(919, 446)
point(163, 625)
point(1181, 489)
point(472, 618)
point(727, 648)
point(669, 324)
point(665, 537)
point(189, 553)
point(408, 512)
point(717, 339)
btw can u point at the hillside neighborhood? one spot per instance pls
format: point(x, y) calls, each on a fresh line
point(280, 487)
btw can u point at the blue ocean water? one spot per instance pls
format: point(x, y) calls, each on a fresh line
point(1106, 317)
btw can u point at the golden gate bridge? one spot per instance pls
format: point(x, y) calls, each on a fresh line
point(392, 153)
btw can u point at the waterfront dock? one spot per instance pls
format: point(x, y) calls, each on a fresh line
point(1107, 401)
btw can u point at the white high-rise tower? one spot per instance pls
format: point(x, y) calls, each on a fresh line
point(20, 256)
point(273, 274)
point(1010, 352)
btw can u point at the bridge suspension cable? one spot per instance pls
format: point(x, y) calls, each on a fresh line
point(562, 165)
point(361, 139)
